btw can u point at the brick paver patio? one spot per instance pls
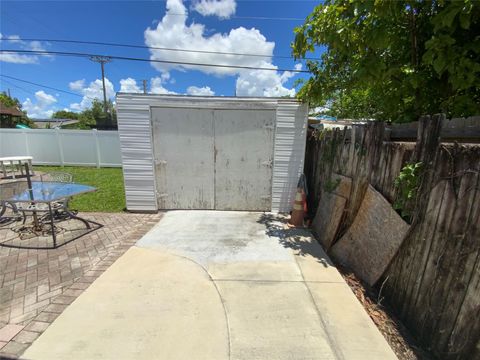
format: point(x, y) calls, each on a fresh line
point(37, 285)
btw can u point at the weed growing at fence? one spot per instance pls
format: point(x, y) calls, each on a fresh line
point(331, 185)
point(407, 183)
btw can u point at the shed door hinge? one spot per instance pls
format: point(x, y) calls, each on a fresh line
point(160, 162)
point(161, 195)
point(271, 127)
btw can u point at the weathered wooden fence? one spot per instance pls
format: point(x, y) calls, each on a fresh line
point(433, 282)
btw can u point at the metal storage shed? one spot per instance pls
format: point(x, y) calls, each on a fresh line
point(224, 153)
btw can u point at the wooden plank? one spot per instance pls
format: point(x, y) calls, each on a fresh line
point(373, 239)
point(457, 267)
point(331, 210)
point(464, 130)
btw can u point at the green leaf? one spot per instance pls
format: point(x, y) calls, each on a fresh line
point(450, 16)
point(464, 20)
point(439, 64)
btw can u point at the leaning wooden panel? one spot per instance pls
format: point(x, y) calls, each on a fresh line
point(331, 209)
point(373, 239)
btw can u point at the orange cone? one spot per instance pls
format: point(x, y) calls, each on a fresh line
point(298, 212)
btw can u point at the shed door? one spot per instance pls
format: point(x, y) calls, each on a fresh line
point(213, 159)
point(243, 159)
point(184, 155)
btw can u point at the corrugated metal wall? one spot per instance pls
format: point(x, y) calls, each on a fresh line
point(135, 130)
point(289, 153)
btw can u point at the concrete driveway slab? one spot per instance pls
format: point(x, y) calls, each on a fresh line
point(217, 285)
point(273, 320)
point(147, 305)
point(216, 237)
point(350, 327)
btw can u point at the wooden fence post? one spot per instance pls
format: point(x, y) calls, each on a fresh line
point(428, 140)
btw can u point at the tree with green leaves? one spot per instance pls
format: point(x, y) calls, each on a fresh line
point(65, 114)
point(97, 112)
point(91, 117)
point(393, 60)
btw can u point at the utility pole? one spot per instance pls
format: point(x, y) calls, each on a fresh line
point(8, 91)
point(144, 86)
point(102, 60)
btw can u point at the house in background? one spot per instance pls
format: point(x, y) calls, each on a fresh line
point(9, 116)
point(53, 123)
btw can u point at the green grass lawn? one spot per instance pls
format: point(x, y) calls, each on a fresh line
point(110, 194)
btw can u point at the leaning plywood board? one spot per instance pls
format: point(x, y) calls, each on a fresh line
point(373, 239)
point(330, 210)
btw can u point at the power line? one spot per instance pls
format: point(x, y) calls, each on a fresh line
point(247, 17)
point(40, 85)
point(29, 92)
point(85, 42)
point(78, 54)
point(19, 87)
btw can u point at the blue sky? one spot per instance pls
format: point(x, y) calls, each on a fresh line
point(208, 25)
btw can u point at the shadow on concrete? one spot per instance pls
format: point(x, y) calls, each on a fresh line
point(299, 240)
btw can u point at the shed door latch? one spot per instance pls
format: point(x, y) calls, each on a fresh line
point(161, 195)
point(160, 162)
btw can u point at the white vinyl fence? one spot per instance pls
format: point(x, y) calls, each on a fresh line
point(63, 147)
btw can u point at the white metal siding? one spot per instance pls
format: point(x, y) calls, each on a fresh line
point(134, 128)
point(289, 153)
point(137, 150)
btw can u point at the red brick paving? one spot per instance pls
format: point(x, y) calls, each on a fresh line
point(37, 285)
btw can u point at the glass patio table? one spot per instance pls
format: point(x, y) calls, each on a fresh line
point(44, 197)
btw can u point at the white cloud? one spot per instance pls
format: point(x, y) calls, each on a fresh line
point(26, 45)
point(200, 91)
point(77, 85)
point(93, 91)
point(75, 107)
point(129, 85)
point(166, 76)
point(18, 59)
point(174, 32)
point(263, 83)
point(318, 110)
point(156, 86)
point(41, 108)
point(221, 8)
